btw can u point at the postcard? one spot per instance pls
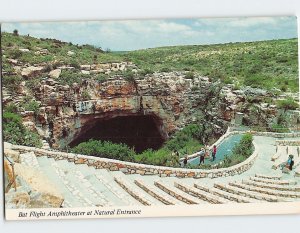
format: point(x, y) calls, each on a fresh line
point(150, 118)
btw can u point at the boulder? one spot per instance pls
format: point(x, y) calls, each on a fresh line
point(14, 155)
point(31, 71)
point(85, 72)
point(55, 73)
point(43, 191)
point(70, 53)
point(24, 50)
point(16, 200)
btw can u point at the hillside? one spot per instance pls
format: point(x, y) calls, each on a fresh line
point(265, 64)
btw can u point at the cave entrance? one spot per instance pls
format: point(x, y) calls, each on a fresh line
point(140, 132)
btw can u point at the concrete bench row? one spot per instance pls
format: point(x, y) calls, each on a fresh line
point(133, 191)
point(276, 193)
point(268, 177)
point(272, 186)
point(276, 182)
point(203, 195)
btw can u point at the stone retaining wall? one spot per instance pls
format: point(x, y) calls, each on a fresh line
point(142, 169)
point(287, 142)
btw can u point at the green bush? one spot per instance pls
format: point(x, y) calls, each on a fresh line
point(101, 78)
point(161, 157)
point(16, 133)
point(190, 75)
point(129, 76)
point(188, 135)
point(11, 108)
point(278, 128)
point(85, 95)
point(287, 104)
point(105, 149)
point(240, 152)
point(146, 71)
point(11, 82)
point(31, 105)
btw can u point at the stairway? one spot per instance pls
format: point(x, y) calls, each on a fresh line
point(85, 186)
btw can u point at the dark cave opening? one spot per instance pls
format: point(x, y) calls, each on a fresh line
point(140, 132)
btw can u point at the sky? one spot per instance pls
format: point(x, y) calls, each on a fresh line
point(141, 34)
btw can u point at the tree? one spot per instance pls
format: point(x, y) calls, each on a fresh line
point(15, 32)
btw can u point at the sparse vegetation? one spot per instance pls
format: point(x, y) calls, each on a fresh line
point(287, 104)
point(15, 132)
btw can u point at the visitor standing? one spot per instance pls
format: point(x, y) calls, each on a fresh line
point(202, 155)
point(214, 152)
point(185, 161)
point(290, 162)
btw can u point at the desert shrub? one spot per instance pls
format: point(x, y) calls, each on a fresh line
point(11, 82)
point(279, 128)
point(161, 157)
point(146, 71)
point(31, 105)
point(287, 104)
point(184, 137)
point(68, 77)
point(129, 76)
point(15, 132)
point(165, 69)
point(240, 152)
point(15, 54)
point(75, 64)
point(85, 95)
point(190, 75)
point(101, 78)
point(11, 108)
point(105, 149)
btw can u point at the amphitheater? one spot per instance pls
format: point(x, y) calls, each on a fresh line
point(46, 178)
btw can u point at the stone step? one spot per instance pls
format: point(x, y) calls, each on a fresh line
point(276, 193)
point(134, 192)
point(178, 194)
point(29, 159)
point(297, 171)
point(69, 198)
point(276, 182)
point(281, 151)
point(93, 189)
point(78, 185)
point(203, 195)
point(278, 162)
point(90, 174)
point(217, 190)
point(162, 197)
point(131, 179)
point(247, 193)
point(210, 191)
point(100, 186)
point(107, 180)
point(272, 186)
point(268, 177)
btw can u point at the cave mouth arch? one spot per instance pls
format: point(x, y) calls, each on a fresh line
point(140, 132)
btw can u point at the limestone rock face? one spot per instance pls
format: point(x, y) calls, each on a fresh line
point(55, 73)
point(42, 190)
point(17, 200)
point(170, 97)
point(14, 155)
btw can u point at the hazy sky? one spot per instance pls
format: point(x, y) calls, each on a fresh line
point(139, 34)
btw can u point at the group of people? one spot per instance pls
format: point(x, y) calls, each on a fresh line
point(203, 153)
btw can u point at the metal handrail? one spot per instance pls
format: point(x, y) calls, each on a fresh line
point(13, 181)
